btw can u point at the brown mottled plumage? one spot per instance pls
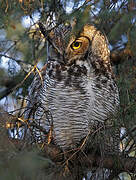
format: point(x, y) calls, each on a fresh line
point(78, 95)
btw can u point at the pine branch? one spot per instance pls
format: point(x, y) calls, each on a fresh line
point(118, 56)
point(113, 162)
point(10, 85)
point(117, 163)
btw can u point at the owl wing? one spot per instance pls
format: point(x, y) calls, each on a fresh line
point(37, 112)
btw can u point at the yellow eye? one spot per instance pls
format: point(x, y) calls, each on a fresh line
point(76, 45)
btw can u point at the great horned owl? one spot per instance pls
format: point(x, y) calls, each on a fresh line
point(77, 94)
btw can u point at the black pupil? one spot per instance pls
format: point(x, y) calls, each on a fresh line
point(76, 44)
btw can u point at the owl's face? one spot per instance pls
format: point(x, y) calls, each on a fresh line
point(88, 43)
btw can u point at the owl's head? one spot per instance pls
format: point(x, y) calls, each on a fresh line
point(69, 48)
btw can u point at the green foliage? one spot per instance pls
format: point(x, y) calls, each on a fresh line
point(25, 165)
point(132, 39)
point(121, 27)
point(127, 87)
